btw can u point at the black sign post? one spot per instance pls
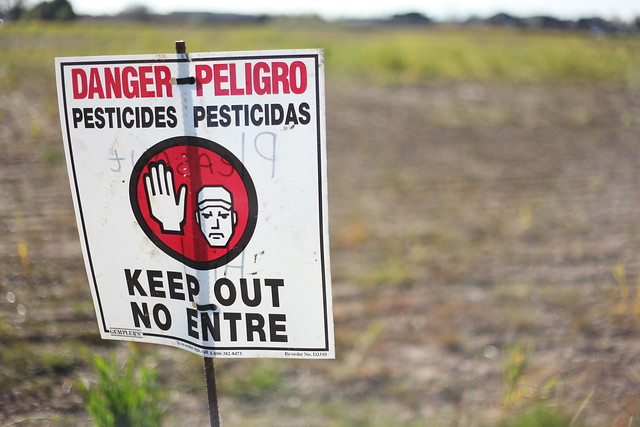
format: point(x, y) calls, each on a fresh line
point(209, 370)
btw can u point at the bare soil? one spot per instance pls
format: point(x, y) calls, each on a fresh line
point(466, 220)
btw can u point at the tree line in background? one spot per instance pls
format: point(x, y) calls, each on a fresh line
point(62, 10)
point(54, 10)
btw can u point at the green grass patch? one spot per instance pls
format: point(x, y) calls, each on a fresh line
point(541, 416)
point(498, 55)
point(20, 360)
point(259, 378)
point(393, 271)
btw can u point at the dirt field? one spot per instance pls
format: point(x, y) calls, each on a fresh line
point(467, 220)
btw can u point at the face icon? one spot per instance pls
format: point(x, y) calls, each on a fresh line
point(215, 215)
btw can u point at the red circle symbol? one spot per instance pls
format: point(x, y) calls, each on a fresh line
point(195, 200)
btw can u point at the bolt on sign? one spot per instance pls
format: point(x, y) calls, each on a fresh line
point(200, 190)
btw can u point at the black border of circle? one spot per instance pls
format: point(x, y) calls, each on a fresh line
point(235, 163)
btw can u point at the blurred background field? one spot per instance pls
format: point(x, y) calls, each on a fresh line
point(391, 56)
point(484, 199)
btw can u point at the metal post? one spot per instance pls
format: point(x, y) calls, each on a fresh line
point(209, 371)
point(181, 47)
point(212, 394)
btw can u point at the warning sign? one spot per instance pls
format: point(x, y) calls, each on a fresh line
point(199, 183)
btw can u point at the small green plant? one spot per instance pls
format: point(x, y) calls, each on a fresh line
point(629, 305)
point(393, 271)
point(125, 394)
point(515, 363)
point(532, 409)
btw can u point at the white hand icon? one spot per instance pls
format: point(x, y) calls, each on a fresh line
point(167, 209)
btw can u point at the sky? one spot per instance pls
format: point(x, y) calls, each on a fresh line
point(331, 9)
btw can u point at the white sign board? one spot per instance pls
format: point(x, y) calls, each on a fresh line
point(199, 183)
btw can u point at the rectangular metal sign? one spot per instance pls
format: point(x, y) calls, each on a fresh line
point(199, 184)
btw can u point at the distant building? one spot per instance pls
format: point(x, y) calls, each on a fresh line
point(213, 18)
point(412, 18)
point(505, 20)
point(547, 22)
point(594, 24)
